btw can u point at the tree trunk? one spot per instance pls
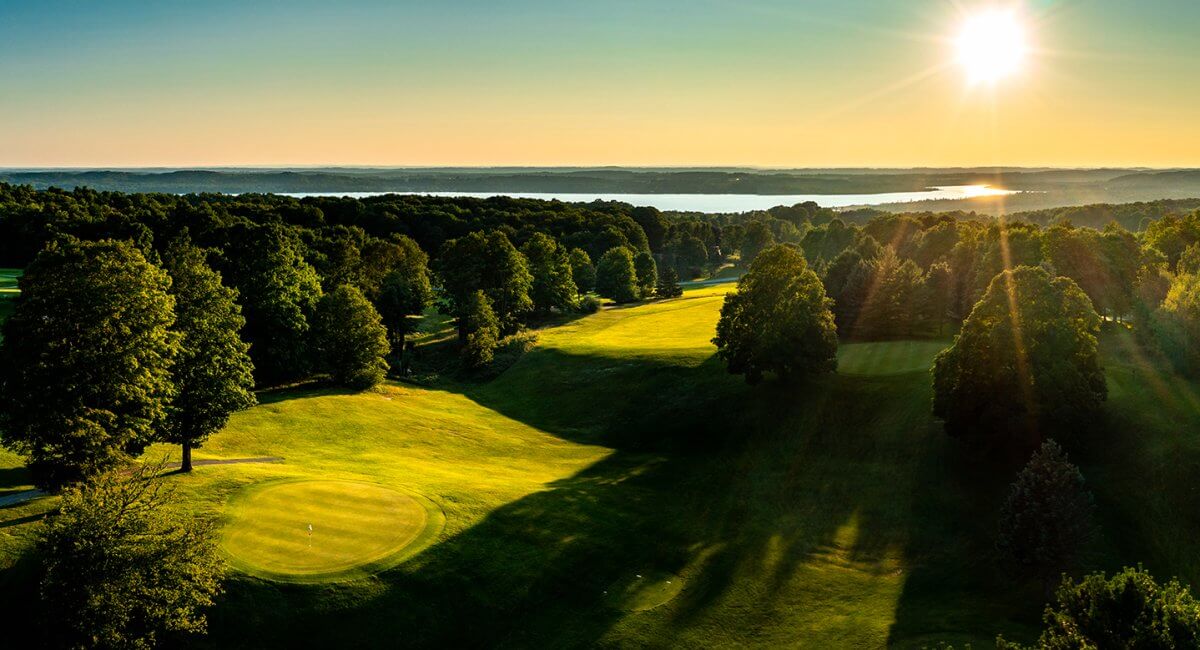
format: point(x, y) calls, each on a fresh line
point(186, 464)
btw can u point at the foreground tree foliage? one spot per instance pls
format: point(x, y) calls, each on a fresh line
point(350, 339)
point(85, 365)
point(553, 286)
point(483, 332)
point(212, 373)
point(1046, 521)
point(279, 291)
point(616, 276)
point(491, 264)
point(1129, 610)
point(123, 568)
point(1025, 365)
point(778, 321)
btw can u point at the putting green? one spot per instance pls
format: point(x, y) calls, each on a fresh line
point(316, 531)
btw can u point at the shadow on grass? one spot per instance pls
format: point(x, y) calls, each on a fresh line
point(826, 513)
point(14, 479)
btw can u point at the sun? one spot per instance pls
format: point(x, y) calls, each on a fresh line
point(991, 46)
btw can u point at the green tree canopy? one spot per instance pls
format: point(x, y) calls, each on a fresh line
point(688, 252)
point(653, 224)
point(213, 374)
point(1025, 365)
point(553, 285)
point(85, 364)
point(647, 273)
point(123, 567)
point(351, 341)
point(616, 276)
point(668, 283)
point(405, 291)
point(583, 274)
point(1175, 326)
point(483, 332)
point(1128, 610)
point(756, 238)
point(382, 258)
point(891, 297)
point(488, 263)
point(778, 320)
point(279, 291)
point(1046, 521)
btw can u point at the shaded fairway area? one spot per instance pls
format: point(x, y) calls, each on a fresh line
point(616, 487)
point(889, 357)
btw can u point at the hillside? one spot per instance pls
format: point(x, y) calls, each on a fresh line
point(616, 487)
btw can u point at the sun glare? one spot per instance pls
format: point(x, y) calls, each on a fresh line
point(991, 46)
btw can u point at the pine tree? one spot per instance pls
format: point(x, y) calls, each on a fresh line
point(668, 283)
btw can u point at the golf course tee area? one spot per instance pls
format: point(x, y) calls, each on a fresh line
point(617, 487)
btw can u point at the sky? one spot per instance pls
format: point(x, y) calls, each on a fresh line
point(772, 83)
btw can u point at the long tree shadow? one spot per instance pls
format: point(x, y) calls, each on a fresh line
point(798, 521)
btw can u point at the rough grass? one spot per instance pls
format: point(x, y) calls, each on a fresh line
point(829, 514)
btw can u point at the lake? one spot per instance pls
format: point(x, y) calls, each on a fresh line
point(717, 202)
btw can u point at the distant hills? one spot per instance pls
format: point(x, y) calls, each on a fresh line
point(1047, 187)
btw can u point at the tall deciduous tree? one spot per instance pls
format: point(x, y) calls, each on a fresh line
point(616, 276)
point(350, 339)
point(553, 285)
point(489, 263)
point(756, 238)
point(405, 291)
point(85, 365)
point(123, 567)
point(1025, 365)
point(583, 273)
point(483, 332)
point(213, 374)
point(778, 321)
point(279, 291)
point(647, 273)
point(653, 224)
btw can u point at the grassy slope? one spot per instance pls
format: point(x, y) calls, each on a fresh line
point(830, 514)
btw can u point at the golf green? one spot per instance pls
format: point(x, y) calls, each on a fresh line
point(319, 530)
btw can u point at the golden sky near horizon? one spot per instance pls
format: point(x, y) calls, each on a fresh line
point(769, 83)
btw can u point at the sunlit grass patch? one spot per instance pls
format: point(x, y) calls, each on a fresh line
point(314, 530)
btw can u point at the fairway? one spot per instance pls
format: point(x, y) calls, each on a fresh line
point(888, 357)
point(320, 530)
